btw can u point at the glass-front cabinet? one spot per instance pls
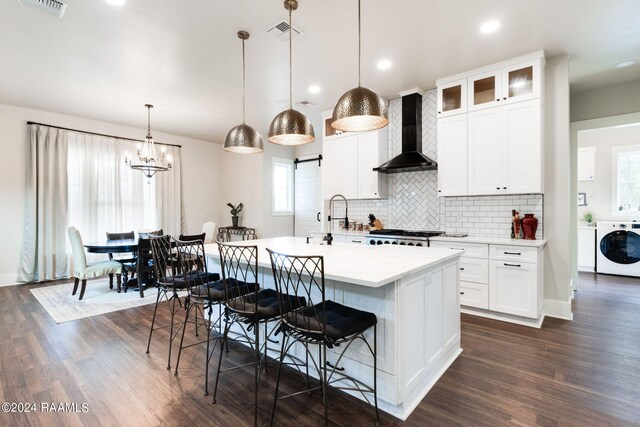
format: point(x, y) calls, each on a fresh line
point(484, 90)
point(452, 98)
point(519, 82)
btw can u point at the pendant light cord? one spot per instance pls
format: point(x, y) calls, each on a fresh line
point(290, 62)
point(148, 121)
point(243, 84)
point(359, 44)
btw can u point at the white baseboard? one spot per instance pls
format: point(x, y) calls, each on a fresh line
point(8, 279)
point(558, 309)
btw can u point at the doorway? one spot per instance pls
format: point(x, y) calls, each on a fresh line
point(308, 196)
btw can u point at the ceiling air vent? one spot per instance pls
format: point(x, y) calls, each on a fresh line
point(280, 30)
point(305, 103)
point(52, 6)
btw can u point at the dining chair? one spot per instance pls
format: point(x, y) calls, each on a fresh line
point(209, 230)
point(83, 270)
point(250, 308)
point(323, 323)
point(142, 266)
point(121, 259)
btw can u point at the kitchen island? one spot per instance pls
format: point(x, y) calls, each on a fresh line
point(413, 291)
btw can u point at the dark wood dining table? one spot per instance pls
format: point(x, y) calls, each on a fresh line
point(114, 247)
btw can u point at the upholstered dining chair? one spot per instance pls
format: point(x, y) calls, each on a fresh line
point(209, 230)
point(81, 269)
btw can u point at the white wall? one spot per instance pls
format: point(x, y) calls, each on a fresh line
point(558, 200)
point(607, 101)
point(599, 190)
point(201, 175)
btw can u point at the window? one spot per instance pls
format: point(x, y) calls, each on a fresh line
point(625, 179)
point(282, 186)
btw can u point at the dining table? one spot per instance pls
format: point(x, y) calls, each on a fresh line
point(114, 247)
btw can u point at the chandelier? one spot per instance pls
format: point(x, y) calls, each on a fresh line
point(148, 161)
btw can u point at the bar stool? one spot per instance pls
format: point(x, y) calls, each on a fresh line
point(247, 304)
point(322, 322)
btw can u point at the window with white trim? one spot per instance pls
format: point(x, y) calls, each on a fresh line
point(282, 186)
point(625, 179)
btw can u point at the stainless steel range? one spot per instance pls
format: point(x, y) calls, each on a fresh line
point(401, 237)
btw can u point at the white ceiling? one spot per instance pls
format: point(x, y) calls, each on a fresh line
point(105, 62)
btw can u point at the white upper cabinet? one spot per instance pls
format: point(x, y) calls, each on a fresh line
point(452, 156)
point(501, 138)
point(348, 162)
point(586, 163)
point(452, 98)
point(505, 152)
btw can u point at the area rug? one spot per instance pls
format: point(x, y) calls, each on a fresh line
point(98, 299)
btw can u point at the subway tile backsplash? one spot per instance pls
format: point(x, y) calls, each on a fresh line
point(489, 216)
point(413, 201)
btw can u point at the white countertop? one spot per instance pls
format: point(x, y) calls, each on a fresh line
point(343, 233)
point(365, 265)
point(491, 241)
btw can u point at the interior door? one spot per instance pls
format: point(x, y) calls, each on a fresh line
point(308, 198)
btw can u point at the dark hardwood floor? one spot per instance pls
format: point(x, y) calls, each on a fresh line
point(583, 372)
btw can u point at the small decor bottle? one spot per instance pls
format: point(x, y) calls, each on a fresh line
point(516, 225)
point(529, 226)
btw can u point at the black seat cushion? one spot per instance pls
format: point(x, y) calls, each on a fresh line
point(214, 290)
point(180, 282)
point(265, 304)
point(340, 321)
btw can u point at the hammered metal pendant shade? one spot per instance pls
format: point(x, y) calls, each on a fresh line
point(360, 110)
point(243, 139)
point(291, 127)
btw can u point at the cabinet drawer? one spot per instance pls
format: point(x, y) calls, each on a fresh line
point(473, 250)
point(513, 253)
point(474, 295)
point(474, 270)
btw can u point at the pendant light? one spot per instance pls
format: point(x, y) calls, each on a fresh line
point(291, 127)
point(360, 109)
point(243, 138)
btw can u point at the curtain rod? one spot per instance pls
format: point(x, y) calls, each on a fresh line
point(100, 134)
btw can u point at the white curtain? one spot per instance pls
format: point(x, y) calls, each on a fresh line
point(82, 180)
point(107, 195)
point(169, 204)
point(44, 245)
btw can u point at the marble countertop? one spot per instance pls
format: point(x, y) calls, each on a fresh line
point(491, 241)
point(365, 265)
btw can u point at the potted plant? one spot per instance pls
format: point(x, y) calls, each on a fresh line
point(588, 217)
point(235, 210)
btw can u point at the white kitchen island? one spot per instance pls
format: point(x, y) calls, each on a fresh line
point(413, 291)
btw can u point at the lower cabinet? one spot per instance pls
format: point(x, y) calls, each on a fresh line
point(500, 279)
point(586, 248)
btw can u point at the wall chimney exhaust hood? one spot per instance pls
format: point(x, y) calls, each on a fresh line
point(411, 159)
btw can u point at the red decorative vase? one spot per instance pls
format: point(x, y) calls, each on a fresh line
point(529, 226)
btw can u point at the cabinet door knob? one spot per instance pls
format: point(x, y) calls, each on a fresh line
point(498, 99)
point(439, 112)
point(497, 188)
point(505, 98)
point(461, 293)
point(461, 268)
point(504, 188)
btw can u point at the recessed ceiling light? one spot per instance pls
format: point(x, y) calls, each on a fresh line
point(116, 2)
point(625, 64)
point(489, 27)
point(384, 64)
point(314, 89)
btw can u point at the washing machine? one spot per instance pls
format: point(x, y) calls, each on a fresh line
point(618, 248)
